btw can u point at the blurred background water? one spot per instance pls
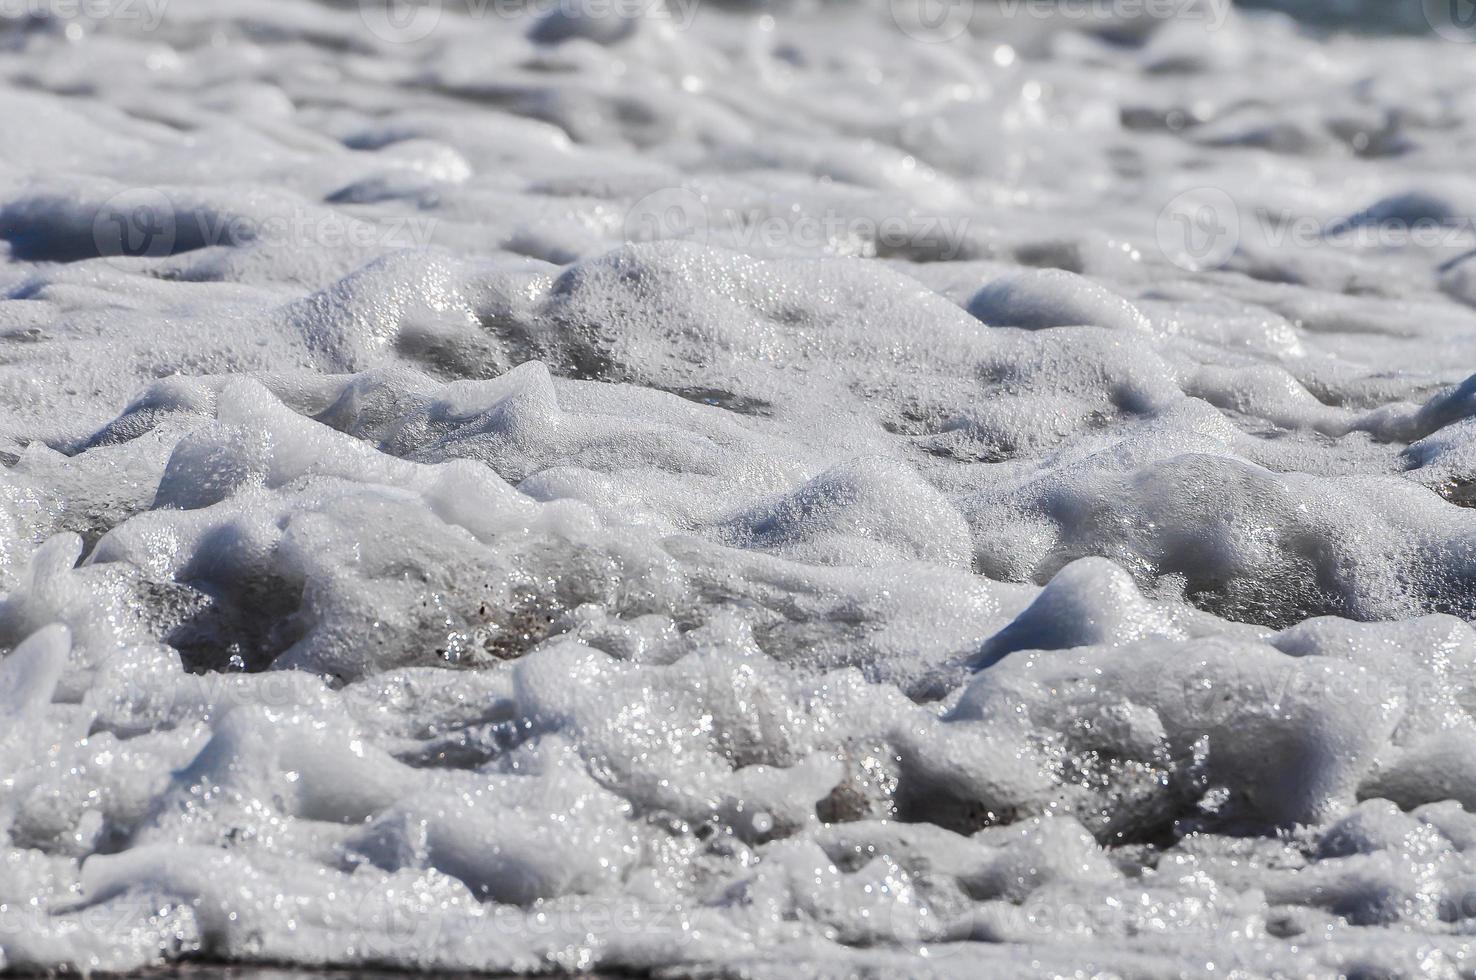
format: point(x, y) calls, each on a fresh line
point(1376, 16)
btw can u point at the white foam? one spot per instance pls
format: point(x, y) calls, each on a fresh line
point(771, 491)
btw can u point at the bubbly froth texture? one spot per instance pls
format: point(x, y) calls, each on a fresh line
point(723, 488)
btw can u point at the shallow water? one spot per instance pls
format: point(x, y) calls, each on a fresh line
point(737, 489)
